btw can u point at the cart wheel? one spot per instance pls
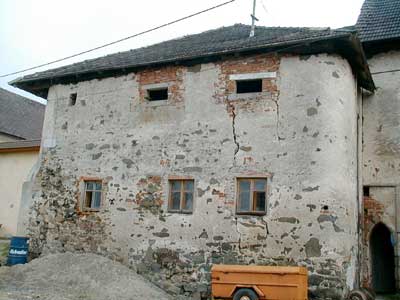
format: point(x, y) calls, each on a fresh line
point(245, 294)
point(357, 295)
point(369, 292)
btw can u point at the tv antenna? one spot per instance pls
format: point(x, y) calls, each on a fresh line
point(253, 19)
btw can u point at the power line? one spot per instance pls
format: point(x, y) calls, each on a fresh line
point(120, 40)
point(263, 5)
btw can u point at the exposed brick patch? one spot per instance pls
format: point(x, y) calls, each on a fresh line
point(373, 212)
point(168, 74)
point(150, 194)
point(251, 64)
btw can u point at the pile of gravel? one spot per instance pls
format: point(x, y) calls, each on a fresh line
point(69, 276)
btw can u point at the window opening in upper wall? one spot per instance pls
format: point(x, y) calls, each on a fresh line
point(157, 94)
point(72, 99)
point(249, 86)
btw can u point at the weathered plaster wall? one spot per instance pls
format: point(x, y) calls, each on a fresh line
point(381, 114)
point(381, 153)
point(14, 170)
point(300, 132)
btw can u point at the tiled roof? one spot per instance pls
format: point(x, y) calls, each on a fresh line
point(20, 116)
point(379, 20)
point(218, 41)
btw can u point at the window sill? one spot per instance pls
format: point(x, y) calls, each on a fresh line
point(88, 210)
point(251, 213)
point(180, 212)
point(248, 96)
point(156, 103)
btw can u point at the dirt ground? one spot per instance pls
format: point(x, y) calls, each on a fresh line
point(70, 276)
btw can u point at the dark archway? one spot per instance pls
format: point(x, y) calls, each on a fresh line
point(382, 260)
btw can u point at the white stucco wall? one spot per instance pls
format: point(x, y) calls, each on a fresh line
point(14, 170)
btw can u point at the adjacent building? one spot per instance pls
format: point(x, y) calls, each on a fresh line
point(379, 30)
point(21, 121)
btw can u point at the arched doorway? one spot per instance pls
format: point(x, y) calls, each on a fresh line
point(382, 259)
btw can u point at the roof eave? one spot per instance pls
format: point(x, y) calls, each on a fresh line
point(357, 60)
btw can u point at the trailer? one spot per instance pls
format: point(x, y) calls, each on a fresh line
point(259, 282)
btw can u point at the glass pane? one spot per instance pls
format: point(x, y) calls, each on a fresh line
point(244, 201)
point(96, 200)
point(88, 200)
point(98, 186)
point(89, 185)
point(189, 185)
point(175, 201)
point(259, 201)
point(188, 202)
point(259, 184)
point(175, 185)
point(244, 185)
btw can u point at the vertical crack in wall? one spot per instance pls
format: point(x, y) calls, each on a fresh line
point(231, 109)
point(277, 120)
point(240, 237)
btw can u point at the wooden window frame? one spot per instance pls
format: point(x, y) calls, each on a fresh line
point(252, 192)
point(182, 199)
point(83, 206)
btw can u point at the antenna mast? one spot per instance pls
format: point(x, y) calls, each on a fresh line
point(253, 19)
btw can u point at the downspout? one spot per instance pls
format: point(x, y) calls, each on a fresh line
point(359, 185)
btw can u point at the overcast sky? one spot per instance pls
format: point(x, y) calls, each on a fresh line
point(33, 32)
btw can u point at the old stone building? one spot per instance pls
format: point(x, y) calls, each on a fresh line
point(212, 148)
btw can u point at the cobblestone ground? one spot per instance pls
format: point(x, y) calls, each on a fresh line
point(75, 277)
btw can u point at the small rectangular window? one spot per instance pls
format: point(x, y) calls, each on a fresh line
point(249, 86)
point(157, 94)
point(72, 99)
point(252, 195)
point(181, 195)
point(92, 195)
point(366, 191)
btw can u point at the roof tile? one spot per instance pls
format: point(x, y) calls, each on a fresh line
point(379, 20)
point(20, 116)
point(217, 41)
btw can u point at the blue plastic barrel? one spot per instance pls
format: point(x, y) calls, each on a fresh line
point(18, 253)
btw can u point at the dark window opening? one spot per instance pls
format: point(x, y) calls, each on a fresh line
point(366, 191)
point(157, 94)
point(249, 86)
point(72, 99)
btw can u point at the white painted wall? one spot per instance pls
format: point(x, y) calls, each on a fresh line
point(14, 170)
